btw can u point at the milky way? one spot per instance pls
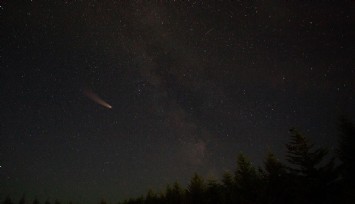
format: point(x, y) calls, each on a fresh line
point(191, 83)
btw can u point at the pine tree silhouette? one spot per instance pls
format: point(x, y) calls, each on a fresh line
point(174, 195)
point(213, 192)
point(275, 178)
point(346, 152)
point(196, 189)
point(300, 155)
point(247, 179)
point(151, 197)
point(229, 188)
point(309, 172)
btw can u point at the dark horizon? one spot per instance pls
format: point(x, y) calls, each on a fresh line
point(110, 99)
point(310, 175)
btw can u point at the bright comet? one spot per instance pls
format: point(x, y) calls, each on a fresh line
point(94, 97)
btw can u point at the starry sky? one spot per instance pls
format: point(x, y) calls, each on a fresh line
point(188, 85)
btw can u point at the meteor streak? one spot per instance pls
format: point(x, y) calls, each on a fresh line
point(94, 97)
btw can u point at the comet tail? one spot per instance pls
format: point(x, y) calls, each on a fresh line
point(94, 97)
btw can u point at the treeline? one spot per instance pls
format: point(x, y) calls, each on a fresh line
point(311, 175)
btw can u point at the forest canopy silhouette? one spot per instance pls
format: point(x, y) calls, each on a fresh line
point(310, 175)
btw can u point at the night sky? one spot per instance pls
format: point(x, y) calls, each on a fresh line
point(184, 87)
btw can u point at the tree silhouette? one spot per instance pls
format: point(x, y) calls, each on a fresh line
point(346, 152)
point(139, 200)
point(151, 197)
point(247, 180)
point(229, 188)
point(274, 169)
point(196, 189)
point(275, 176)
point(174, 195)
point(309, 177)
point(302, 157)
point(213, 192)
